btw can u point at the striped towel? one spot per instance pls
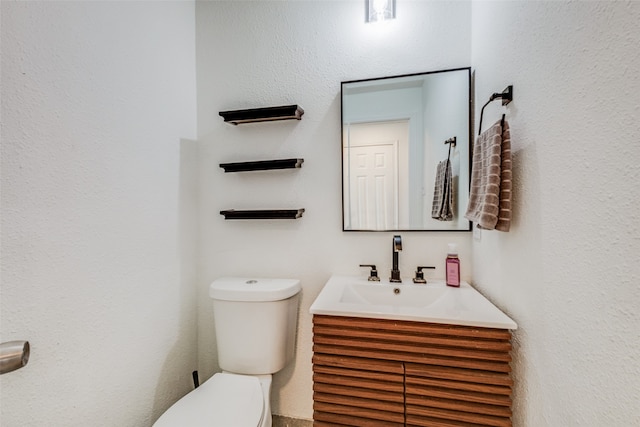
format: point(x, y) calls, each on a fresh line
point(442, 206)
point(490, 194)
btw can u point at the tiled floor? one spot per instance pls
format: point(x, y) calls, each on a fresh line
point(280, 421)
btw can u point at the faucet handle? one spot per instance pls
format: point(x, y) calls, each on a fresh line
point(373, 274)
point(420, 275)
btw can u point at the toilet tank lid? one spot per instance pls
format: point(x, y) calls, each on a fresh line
point(253, 289)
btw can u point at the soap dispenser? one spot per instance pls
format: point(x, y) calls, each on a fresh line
point(453, 266)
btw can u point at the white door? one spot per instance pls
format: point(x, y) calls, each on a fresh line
point(374, 183)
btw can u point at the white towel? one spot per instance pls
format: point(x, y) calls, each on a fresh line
point(490, 194)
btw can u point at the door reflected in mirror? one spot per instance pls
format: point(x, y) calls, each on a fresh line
point(393, 139)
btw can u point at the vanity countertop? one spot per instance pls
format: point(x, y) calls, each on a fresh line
point(433, 302)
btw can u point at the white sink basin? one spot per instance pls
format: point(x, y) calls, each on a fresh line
point(392, 294)
point(434, 302)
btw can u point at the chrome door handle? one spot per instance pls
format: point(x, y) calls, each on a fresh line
point(13, 355)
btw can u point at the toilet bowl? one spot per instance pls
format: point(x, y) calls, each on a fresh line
point(255, 324)
point(225, 400)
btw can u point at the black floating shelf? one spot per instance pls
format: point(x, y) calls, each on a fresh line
point(262, 165)
point(266, 114)
point(263, 214)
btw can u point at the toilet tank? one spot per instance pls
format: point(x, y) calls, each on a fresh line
point(255, 323)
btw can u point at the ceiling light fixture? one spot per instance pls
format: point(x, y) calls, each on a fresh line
point(379, 10)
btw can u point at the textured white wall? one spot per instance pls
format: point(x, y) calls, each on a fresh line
point(97, 191)
point(97, 210)
point(568, 271)
point(275, 53)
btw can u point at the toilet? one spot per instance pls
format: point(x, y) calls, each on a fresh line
point(255, 325)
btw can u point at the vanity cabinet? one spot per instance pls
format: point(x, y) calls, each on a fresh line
point(378, 372)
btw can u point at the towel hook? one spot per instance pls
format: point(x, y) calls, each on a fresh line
point(452, 142)
point(506, 96)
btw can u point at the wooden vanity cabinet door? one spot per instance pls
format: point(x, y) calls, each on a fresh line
point(354, 389)
point(470, 387)
point(439, 396)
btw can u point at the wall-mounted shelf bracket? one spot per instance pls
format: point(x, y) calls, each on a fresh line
point(286, 112)
point(262, 165)
point(263, 214)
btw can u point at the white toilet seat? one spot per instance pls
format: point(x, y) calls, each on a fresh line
point(224, 400)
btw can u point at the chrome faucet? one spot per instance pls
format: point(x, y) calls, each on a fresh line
point(395, 272)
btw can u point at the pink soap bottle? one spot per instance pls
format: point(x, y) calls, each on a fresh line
point(453, 266)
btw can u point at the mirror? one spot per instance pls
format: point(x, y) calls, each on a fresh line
point(393, 138)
